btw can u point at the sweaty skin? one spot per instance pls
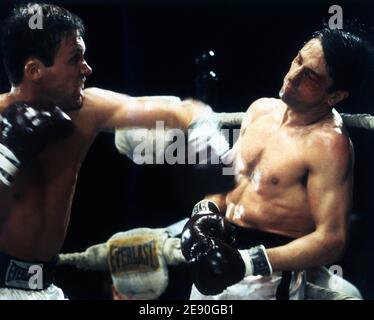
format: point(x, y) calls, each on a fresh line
point(293, 163)
point(35, 210)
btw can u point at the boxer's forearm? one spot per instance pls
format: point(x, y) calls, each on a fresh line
point(169, 108)
point(312, 250)
point(188, 111)
point(111, 110)
point(176, 113)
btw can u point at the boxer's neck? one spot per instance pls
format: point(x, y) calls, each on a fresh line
point(293, 118)
point(26, 93)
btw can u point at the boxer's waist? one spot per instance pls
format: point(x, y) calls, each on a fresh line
point(248, 237)
point(26, 275)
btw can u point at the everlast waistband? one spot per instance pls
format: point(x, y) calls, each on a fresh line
point(26, 275)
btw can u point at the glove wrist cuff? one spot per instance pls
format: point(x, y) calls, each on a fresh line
point(205, 207)
point(205, 117)
point(8, 165)
point(260, 260)
point(248, 263)
point(256, 261)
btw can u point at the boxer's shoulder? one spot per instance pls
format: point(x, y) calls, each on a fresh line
point(5, 100)
point(331, 140)
point(99, 98)
point(102, 102)
point(259, 108)
point(91, 98)
point(330, 129)
point(92, 93)
point(94, 101)
point(263, 106)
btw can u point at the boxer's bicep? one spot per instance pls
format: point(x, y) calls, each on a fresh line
point(114, 110)
point(135, 112)
point(329, 191)
point(329, 187)
point(104, 106)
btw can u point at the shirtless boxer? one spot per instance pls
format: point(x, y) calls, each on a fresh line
point(42, 146)
point(294, 159)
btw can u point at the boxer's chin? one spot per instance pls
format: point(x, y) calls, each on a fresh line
point(283, 96)
point(288, 99)
point(72, 105)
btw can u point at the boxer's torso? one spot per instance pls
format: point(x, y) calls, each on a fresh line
point(35, 210)
point(272, 163)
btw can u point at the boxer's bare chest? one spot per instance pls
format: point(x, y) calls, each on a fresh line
point(51, 176)
point(272, 157)
point(41, 196)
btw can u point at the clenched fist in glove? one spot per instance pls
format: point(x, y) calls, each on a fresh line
point(25, 131)
point(208, 241)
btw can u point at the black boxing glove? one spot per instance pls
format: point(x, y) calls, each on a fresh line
point(25, 131)
point(216, 267)
point(213, 263)
point(206, 222)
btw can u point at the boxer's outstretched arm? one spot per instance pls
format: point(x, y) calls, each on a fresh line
point(114, 110)
point(329, 191)
point(220, 198)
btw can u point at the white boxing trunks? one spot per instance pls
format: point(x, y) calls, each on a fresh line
point(281, 285)
point(257, 288)
point(51, 293)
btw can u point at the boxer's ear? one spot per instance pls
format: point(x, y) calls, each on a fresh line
point(33, 70)
point(337, 96)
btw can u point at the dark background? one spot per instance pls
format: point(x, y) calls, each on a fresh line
point(148, 48)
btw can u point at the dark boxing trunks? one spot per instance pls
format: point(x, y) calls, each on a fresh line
point(246, 238)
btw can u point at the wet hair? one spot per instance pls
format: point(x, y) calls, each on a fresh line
point(19, 42)
point(349, 60)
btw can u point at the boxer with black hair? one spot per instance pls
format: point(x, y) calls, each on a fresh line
point(47, 71)
point(294, 166)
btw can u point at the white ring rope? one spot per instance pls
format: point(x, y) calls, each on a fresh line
point(365, 121)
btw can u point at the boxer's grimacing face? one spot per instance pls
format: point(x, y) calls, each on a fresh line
point(63, 82)
point(307, 82)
